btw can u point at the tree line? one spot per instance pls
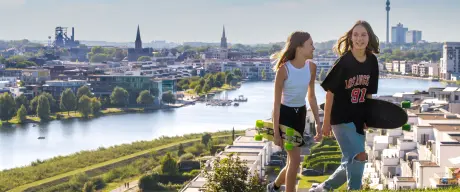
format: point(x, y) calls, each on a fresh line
point(209, 81)
point(84, 102)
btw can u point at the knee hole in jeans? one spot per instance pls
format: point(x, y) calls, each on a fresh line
point(360, 157)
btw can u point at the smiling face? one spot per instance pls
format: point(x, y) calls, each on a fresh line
point(359, 38)
point(306, 50)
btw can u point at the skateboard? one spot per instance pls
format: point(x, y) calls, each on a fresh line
point(382, 114)
point(290, 136)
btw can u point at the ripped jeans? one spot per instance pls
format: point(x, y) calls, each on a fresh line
point(350, 170)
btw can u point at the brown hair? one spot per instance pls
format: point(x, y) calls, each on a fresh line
point(344, 43)
point(296, 39)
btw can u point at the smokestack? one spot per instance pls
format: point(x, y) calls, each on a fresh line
point(73, 34)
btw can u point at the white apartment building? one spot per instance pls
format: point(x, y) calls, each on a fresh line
point(425, 69)
point(450, 61)
point(403, 67)
point(324, 64)
point(256, 154)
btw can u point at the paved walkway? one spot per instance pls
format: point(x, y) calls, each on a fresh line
point(132, 187)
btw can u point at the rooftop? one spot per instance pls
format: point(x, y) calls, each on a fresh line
point(381, 139)
point(405, 179)
point(241, 153)
point(447, 127)
point(428, 164)
point(435, 116)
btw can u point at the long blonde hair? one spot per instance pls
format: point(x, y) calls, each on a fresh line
point(344, 43)
point(296, 39)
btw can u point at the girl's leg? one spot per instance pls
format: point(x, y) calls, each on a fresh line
point(292, 169)
point(357, 159)
point(339, 177)
point(280, 180)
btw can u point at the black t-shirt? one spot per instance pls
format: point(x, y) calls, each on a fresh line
point(350, 81)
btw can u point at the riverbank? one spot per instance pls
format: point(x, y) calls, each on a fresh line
point(60, 169)
point(189, 99)
point(410, 77)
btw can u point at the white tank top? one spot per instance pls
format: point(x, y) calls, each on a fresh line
point(296, 85)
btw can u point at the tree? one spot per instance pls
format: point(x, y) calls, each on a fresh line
point(21, 114)
point(194, 72)
point(68, 101)
point(119, 96)
point(33, 105)
point(229, 78)
point(145, 98)
point(180, 150)
point(21, 100)
point(7, 107)
point(168, 97)
point(43, 107)
point(206, 138)
point(144, 58)
point(321, 75)
point(264, 76)
point(84, 106)
point(95, 106)
point(233, 134)
point(84, 90)
point(51, 101)
point(231, 174)
point(169, 165)
point(89, 187)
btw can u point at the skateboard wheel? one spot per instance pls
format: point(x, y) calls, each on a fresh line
point(405, 104)
point(290, 132)
point(406, 127)
point(258, 137)
point(259, 123)
point(288, 146)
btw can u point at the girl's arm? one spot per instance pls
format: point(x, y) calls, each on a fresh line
point(312, 95)
point(279, 83)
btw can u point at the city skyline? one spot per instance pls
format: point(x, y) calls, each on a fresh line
point(202, 20)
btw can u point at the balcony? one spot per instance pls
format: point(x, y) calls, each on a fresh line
point(443, 180)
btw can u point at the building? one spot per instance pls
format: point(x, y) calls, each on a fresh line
point(324, 64)
point(138, 51)
point(398, 34)
point(35, 76)
point(402, 67)
point(426, 69)
point(257, 155)
point(103, 85)
point(450, 60)
point(413, 36)
point(56, 87)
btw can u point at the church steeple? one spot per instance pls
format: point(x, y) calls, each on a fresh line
point(138, 43)
point(223, 39)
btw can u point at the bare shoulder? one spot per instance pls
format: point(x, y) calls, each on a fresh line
point(312, 66)
point(281, 73)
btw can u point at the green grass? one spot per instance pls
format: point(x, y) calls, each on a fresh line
point(307, 181)
point(113, 161)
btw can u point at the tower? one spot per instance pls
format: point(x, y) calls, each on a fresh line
point(388, 21)
point(223, 46)
point(138, 43)
point(223, 39)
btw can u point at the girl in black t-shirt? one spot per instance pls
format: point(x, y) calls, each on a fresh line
point(352, 79)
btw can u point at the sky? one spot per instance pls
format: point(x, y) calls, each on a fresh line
point(246, 21)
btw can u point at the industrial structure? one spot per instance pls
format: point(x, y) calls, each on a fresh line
point(62, 40)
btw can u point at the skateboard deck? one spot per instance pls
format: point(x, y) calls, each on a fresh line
point(290, 136)
point(381, 114)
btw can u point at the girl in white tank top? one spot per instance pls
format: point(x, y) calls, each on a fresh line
point(294, 81)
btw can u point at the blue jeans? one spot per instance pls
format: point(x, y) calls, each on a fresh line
point(351, 143)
